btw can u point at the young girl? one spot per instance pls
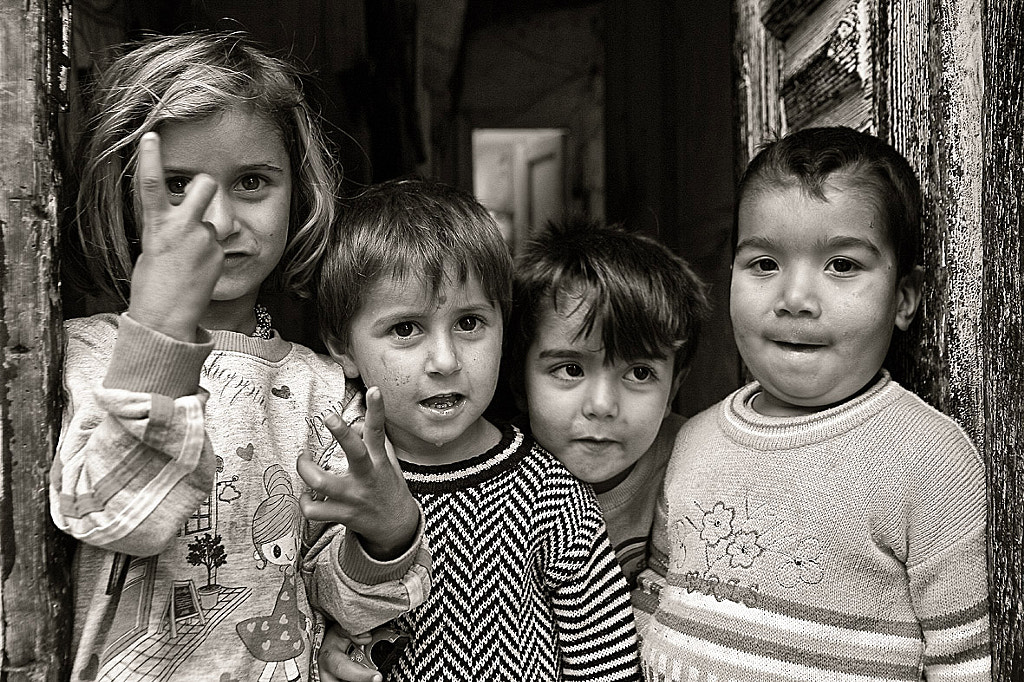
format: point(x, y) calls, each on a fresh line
point(205, 180)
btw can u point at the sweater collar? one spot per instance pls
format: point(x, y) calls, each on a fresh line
point(746, 426)
point(442, 478)
point(273, 349)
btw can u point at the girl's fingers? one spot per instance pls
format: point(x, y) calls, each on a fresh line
point(150, 172)
point(198, 195)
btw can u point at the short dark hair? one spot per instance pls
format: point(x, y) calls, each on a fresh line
point(645, 298)
point(808, 158)
point(409, 227)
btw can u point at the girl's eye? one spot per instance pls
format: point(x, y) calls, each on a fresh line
point(764, 265)
point(251, 183)
point(842, 265)
point(569, 371)
point(177, 184)
point(641, 373)
point(404, 330)
point(277, 551)
point(468, 323)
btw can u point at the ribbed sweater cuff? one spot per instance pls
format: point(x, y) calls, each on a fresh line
point(363, 568)
point(147, 361)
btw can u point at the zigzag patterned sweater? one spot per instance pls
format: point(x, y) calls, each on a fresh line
point(846, 545)
point(526, 586)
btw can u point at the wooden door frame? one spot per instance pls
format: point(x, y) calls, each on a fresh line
point(35, 614)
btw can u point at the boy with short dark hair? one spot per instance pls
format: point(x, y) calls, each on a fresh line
point(603, 328)
point(414, 292)
point(822, 522)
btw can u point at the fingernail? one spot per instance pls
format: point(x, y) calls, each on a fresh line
point(332, 420)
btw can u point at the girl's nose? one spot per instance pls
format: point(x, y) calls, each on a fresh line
point(602, 400)
point(220, 215)
point(798, 294)
point(443, 358)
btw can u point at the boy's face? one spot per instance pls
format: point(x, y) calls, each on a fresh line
point(596, 418)
point(815, 296)
point(435, 361)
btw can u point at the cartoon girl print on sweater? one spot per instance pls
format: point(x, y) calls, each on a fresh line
point(276, 532)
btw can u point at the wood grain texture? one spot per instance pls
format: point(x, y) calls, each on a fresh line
point(34, 597)
point(1002, 320)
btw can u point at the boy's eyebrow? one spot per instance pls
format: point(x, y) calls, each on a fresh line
point(561, 353)
point(758, 242)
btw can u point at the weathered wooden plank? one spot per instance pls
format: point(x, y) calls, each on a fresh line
point(34, 613)
point(1002, 323)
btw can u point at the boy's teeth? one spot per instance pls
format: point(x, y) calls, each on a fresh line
point(441, 402)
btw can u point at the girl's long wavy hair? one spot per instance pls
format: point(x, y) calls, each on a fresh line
point(188, 78)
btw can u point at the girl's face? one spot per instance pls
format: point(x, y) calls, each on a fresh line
point(244, 154)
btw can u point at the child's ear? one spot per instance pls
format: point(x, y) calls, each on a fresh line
point(677, 381)
point(908, 297)
point(337, 351)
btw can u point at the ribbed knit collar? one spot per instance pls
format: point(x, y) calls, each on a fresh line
point(445, 478)
point(273, 349)
point(638, 482)
point(743, 424)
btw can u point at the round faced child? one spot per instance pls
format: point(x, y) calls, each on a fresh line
point(818, 285)
point(603, 329)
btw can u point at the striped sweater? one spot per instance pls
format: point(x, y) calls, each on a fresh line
point(845, 545)
point(526, 586)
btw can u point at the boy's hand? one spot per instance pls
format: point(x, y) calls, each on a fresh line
point(181, 258)
point(371, 498)
point(334, 664)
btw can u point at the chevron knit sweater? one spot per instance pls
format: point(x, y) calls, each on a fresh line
point(843, 545)
point(526, 587)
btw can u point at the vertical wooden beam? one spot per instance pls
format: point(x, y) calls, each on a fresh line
point(1002, 337)
point(34, 613)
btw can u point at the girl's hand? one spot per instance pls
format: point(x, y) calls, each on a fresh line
point(181, 258)
point(333, 662)
point(371, 498)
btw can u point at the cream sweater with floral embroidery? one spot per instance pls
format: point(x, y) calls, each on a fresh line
point(844, 545)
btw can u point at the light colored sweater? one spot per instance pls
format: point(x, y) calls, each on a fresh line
point(176, 471)
point(525, 584)
point(845, 545)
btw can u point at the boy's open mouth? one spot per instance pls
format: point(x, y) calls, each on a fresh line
point(445, 401)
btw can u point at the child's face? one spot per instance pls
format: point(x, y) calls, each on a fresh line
point(244, 154)
point(596, 418)
point(435, 361)
point(815, 296)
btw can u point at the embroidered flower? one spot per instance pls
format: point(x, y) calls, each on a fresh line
point(717, 524)
point(801, 566)
point(743, 549)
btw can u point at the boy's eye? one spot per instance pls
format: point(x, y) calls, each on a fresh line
point(569, 371)
point(177, 184)
point(250, 183)
point(468, 323)
point(404, 329)
point(842, 265)
point(641, 373)
point(764, 265)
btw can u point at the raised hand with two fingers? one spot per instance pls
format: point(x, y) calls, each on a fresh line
point(181, 258)
point(371, 497)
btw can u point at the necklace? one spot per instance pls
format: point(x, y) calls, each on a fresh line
point(263, 323)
